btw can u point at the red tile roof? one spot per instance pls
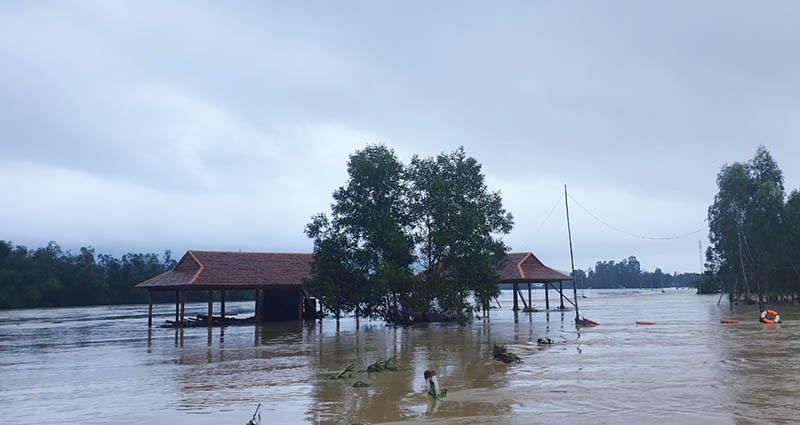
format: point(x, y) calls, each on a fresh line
point(524, 267)
point(233, 270)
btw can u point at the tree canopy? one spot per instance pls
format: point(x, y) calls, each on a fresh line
point(627, 273)
point(50, 277)
point(754, 231)
point(409, 243)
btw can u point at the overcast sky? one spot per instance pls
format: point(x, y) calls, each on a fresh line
point(144, 126)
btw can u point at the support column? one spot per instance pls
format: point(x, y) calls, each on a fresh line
point(547, 296)
point(183, 306)
point(222, 306)
point(258, 305)
point(177, 305)
point(561, 293)
point(210, 306)
point(530, 299)
point(300, 302)
point(150, 308)
point(516, 304)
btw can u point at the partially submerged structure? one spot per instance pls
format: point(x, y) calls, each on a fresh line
point(525, 268)
point(276, 278)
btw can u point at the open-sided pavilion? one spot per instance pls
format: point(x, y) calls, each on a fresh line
point(276, 278)
point(525, 268)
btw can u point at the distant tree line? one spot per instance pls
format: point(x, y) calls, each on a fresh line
point(629, 274)
point(754, 229)
point(50, 277)
point(409, 243)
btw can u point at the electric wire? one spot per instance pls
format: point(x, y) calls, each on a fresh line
point(611, 226)
point(538, 229)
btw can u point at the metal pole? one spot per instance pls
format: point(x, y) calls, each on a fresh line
point(571, 256)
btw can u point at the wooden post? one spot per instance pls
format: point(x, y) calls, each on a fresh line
point(210, 306)
point(516, 304)
point(222, 306)
point(561, 293)
point(150, 309)
point(300, 301)
point(530, 300)
point(177, 305)
point(183, 306)
point(547, 296)
point(258, 305)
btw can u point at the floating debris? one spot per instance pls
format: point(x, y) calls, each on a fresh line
point(346, 373)
point(545, 341)
point(433, 385)
point(585, 321)
point(381, 365)
point(256, 419)
point(360, 384)
point(500, 352)
point(202, 321)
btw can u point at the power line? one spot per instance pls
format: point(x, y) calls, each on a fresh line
point(653, 238)
point(535, 233)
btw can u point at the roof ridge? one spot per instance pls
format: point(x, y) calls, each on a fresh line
point(519, 265)
point(197, 273)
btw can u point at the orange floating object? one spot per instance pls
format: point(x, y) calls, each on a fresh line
point(642, 322)
point(728, 322)
point(583, 321)
point(770, 317)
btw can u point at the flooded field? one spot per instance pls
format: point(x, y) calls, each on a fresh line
point(101, 365)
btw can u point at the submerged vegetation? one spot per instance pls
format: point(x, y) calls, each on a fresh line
point(754, 229)
point(409, 243)
point(346, 373)
point(382, 365)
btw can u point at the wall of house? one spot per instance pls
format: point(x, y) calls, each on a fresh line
point(281, 304)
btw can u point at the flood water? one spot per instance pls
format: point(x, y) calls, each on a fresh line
point(101, 365)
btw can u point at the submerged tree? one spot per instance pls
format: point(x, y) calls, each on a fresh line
point(751, 231)
point(368, 235)
point(437, 208)
point(456, 218)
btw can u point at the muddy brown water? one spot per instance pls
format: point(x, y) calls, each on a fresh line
point(101, 365)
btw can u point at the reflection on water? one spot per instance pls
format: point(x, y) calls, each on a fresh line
point(102, 365)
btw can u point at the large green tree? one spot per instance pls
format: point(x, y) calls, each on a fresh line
point(408, 244)
point(751, 230)
point(363, 254)
point(457, 219)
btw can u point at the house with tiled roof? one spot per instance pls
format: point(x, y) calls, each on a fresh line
point(276, 278)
